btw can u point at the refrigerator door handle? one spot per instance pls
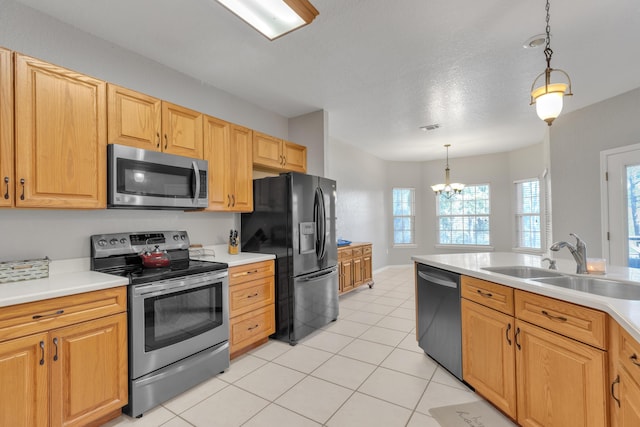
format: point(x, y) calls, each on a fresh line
point(320, 219)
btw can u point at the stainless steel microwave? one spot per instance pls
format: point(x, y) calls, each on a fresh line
point(144, 179)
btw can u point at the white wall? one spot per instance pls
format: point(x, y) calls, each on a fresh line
point(64, 234)
point(576, 140)
point(361, 202)
point(309, 130)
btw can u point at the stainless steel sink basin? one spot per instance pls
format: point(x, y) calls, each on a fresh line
point(607, 288)
point(524, 272)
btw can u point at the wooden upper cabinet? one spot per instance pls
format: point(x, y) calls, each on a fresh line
point(228, 147)
point(60, 137)
point(278, 155)
point(142, 121)
point(134, 118)
point(7, 180)
point(181, 130)
point(295, 157)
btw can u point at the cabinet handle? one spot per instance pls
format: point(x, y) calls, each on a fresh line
point(556, 318)
point(485, 294)
point(516, 338)
point(507, 333)
point(42, 350)
point(6, 182)
point(228, 200)
point(22, 183)
point(284, 160)
point(251, 328)
point(634, 359)
point(166, 141)
point(157, 139)
point(55, 343)
point(253, 295)
point(613, 385)
point(233, 200)
point(40, 316)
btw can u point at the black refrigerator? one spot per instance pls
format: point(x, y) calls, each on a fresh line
point(294, 218)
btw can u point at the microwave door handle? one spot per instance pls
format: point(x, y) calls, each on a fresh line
point(196, 178)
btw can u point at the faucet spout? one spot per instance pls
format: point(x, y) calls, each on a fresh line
point(579, 252)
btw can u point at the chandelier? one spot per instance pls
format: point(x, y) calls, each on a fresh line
point(549, 97)
point(447, 189)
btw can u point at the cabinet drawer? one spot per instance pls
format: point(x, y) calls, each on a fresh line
point(357, 252)
point(630, 354)
point(493, 295)
point(253, 271)
point(251, 327)
point(251, 295)
point(366, 250)
point(345, 253)
point(574, 321)
point(24, 319)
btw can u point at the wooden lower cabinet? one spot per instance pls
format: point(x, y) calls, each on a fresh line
point(251, 306)
point(561, 382)
point(488, 360)
point(71, 375)
point(625, 378)
point(355, 266)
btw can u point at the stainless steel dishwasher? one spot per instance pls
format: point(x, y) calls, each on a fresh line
point(439, 317)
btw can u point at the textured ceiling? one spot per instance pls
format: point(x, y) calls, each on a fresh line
point(384, 68)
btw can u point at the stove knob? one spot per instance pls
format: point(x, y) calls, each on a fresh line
point(102, 242)
point(113, 241)
point(176, 237)
point(123, 241)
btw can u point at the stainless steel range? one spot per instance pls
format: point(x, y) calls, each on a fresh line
point(178, 313)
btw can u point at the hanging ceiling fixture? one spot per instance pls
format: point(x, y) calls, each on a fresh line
point(273, 18)
point(548, 97)
point(447, 189)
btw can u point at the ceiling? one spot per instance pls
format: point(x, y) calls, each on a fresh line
point(382, 69)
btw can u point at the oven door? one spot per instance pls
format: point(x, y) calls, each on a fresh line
point(142, 178)
point(176, 318)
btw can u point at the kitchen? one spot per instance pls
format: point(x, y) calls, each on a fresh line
point(363, 178)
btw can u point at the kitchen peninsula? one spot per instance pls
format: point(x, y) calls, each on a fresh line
point(543, 354)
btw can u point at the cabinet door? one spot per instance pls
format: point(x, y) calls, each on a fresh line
point(267, 151)
point(217, 152)
point(181, 131)
point(561, 382)
point(89, 377)
point(346, 275)
point(61, 137)
point(629, 412)
point(7, 181)
point(241, 169)
point(295, 157)
point(24, 397)
point(357, 272)
point(488, 358)
point(134, 118)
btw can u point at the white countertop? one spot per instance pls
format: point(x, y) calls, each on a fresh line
point(69, 277)
point(625, 312)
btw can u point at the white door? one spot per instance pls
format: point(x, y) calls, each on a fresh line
point(621, 205)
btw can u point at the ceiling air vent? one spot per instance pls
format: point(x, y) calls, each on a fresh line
point(430, 127)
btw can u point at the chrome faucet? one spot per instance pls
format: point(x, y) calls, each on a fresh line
point(579, 252)
point(552, 263)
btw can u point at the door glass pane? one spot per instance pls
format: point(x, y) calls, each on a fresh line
point(633, 214)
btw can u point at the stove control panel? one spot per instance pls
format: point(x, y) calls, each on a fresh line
point(105, 245)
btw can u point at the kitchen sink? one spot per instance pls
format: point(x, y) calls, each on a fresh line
point(524, 272)
point(607, 288)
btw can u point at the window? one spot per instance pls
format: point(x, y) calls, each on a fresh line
point(463, 219)
point(528, 217)
point(404, 213)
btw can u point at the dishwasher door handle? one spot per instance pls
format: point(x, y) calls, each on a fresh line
point(438, 281)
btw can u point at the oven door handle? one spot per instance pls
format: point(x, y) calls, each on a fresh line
point(146, 290)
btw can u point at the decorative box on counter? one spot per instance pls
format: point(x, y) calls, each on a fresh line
point(15, 271)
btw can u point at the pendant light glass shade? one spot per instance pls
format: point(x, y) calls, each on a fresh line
point(273, 18)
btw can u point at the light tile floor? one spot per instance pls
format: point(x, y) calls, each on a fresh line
point(365, 369)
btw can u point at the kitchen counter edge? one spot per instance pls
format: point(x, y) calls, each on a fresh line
point(625, 312)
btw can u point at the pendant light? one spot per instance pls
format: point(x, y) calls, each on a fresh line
point(273, 18)
point(447, 189)
point(549, 97)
